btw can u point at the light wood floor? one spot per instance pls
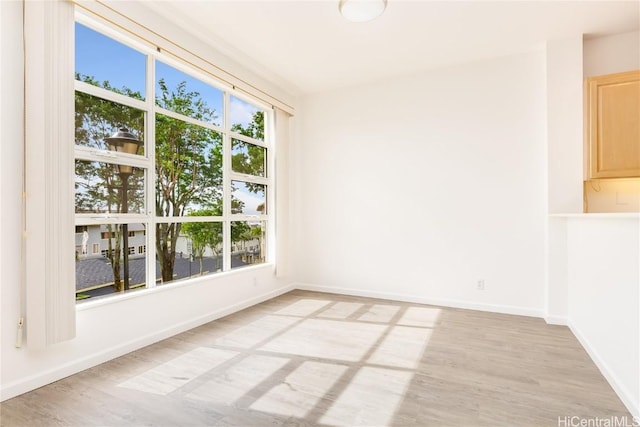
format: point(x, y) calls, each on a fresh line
point(312, 359)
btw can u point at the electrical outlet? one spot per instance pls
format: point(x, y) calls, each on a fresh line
point(480, 285)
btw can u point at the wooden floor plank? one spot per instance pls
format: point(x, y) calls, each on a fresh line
point(313, 359)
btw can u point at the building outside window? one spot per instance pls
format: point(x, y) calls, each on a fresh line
point(165, 157)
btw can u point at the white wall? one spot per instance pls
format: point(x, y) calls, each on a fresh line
point(612, 54)
point(565, 125)
point(418, 187)
point(107, 328)
point(565, 147)
point(604, 297)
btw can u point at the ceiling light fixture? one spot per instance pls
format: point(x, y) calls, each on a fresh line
point(361, 10)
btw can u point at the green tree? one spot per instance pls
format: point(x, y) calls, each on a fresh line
point(98, 185)
point(249, 158)
point(204, 235)
point(188, 167)
point(255, 129)
point(239, 230)
point(256, 234)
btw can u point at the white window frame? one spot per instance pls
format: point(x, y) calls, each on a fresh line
point(147, 162)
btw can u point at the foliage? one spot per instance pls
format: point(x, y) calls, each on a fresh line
point(239, 230)
point(98, 185)
point(188, 169)
point(255, 129)
point(204, 235)
point(249, 158)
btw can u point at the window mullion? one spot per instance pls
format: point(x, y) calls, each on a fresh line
point(272, 194)
point(109, 95)
point(150, 192)
point(187, 119)
point(226, 189)
point(244, 138)
point(235, 176)
point(245, 217)
point(105, 156)
point(186, 219)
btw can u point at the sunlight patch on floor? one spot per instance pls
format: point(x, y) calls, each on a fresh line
point(341, 310)
point(303, 307)
point(402, 347)
point(420, 316)
point(369, 362)
point(256, 332)
point(177, 372)
point(348, 341)
point(239, 381)
point(370, 399)
point(380, 313)
point(301, 390)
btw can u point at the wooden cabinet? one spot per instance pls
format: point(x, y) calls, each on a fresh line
point(613, 125)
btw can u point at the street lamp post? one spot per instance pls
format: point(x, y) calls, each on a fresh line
point(124, 141)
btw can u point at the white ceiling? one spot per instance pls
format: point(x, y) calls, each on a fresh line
point(309, 47)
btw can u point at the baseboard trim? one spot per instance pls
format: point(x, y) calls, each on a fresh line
point(493, 308)
point(612, 379)
point(556, 320)
point(43, 378)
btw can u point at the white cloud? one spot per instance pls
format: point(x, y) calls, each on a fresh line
point(251, 200)
point(241, 112)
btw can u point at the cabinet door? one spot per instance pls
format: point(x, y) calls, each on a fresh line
point(613, 130)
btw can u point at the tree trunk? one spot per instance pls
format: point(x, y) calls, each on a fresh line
point(114, 256)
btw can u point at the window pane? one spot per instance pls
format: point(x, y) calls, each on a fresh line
point(188, 250)
point(181, 93)
point(246, 119)
point(188, 168)
point(97, 119)
point(108, 188)
point(104, 62)
point(248, 158)
point(248, 198)
point(248, 243)
point(101, 259)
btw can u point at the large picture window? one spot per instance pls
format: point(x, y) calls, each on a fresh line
point(171, 173)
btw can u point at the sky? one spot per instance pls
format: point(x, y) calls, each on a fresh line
point(105, 59)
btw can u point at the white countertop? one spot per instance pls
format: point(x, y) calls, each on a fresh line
point(613, 215)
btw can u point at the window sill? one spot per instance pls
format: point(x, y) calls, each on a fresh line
point(114, 299)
